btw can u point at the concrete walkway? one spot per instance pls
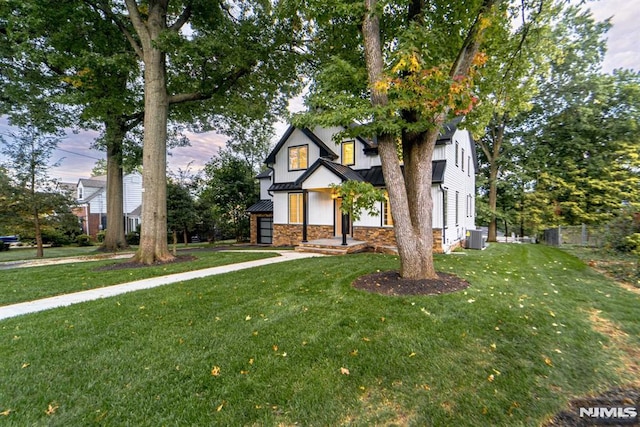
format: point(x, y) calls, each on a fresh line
point(109, 291)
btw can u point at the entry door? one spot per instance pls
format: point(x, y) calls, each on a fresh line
point(265, 230)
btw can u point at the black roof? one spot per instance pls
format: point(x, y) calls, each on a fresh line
point(264, 174)
point(285, 186)
point(264, 205)
point(376, 178)
point(344, 172)
point(448, 129)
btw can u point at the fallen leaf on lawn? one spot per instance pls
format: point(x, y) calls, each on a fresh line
point(247, 318)
point(275, 347)
point(490, 378)
point(344, 371)
point(552, 314)
point(557, 350)
point(425, 387)
point(251, 361)
point(412, 354)
point(244, 372)
point(215, 371)
point(219, 408)
point(354, 352)
point(496, 371)
point(365, 339)
point(548, 361)
point(493, 346)
point(51, 409)
point(5, 413)
point(26, 365)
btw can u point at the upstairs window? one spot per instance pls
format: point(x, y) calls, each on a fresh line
point(298, 157)
point(348, 153)
point(462, 159)
point(80, 193)
point(456, 155)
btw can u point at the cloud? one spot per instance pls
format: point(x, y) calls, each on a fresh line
point(623, 50)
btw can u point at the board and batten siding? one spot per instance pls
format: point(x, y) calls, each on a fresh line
point(281, 166)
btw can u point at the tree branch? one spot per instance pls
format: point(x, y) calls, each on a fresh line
point(116, 20)
point(182, 19)
point(472, 43)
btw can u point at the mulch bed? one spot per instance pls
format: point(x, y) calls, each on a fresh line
point(131, 264)
point(620, 397)
point(390, 283)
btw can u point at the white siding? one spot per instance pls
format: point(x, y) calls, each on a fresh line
point(320, 208)
point(281, 208)
point(321, 178)
point(132, 192)
point(367, 220)
point(281, 166)
point(265, 183)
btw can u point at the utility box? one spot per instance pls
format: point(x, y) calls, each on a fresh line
point(474, 239)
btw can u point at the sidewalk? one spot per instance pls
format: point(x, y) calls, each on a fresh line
point(109, 291)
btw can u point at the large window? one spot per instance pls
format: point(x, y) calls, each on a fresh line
point(295, 208)
point(387, 219)
point(462, 159)
point(456, 154)
point(348, 153)
point(298, 157)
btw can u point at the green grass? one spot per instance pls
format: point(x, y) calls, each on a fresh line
point(19, 254)
point(280, 335)
point(27, 284)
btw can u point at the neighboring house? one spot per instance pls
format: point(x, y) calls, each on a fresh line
point(297, 204)
point(92, 203)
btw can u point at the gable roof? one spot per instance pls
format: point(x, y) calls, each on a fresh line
point(264, 174)
point(93, 182)
point(343, 172)
point(325, 151)
point(448, 129)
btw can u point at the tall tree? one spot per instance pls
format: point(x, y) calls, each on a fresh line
point(419, 65)
point(74, 69)
point(34, 197)
point(246, 78)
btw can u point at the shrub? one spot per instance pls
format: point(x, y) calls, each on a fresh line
point(133, 238)
point(100, 236)
point(83, 240)
point(617, 231)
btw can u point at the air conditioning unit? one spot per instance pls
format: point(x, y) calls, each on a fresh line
point(474, 239)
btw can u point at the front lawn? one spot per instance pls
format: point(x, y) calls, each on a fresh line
point(294, 343)
point(30, 283)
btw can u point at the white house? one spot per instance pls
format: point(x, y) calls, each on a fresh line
point(297, 204)
point(92, 202)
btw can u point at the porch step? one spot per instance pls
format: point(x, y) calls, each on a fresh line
point(332, 248)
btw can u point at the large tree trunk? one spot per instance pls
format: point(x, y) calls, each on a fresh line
point(414, 239)
point(410, 195)
point(153, 236)
point(493, 156)
point(114, 239)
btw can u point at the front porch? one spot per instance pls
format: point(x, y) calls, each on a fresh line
point(333, 246)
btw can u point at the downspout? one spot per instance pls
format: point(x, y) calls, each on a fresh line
point(443, 213)
point(273, 178)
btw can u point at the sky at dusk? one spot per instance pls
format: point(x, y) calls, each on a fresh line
point(77, 159)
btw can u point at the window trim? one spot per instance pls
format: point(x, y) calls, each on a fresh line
point(300, 209)
point(353, 152)
point(297, 148)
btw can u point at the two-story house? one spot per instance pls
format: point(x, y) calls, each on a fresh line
point(92, 202)
point(298, 204)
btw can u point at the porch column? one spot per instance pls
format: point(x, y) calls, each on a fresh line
point(305, 202)
point(345, 228)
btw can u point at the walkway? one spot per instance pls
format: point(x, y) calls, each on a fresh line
point(109, 291)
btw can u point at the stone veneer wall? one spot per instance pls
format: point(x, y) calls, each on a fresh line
point(291, 234)
point(253, 225)
point(385, 236)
